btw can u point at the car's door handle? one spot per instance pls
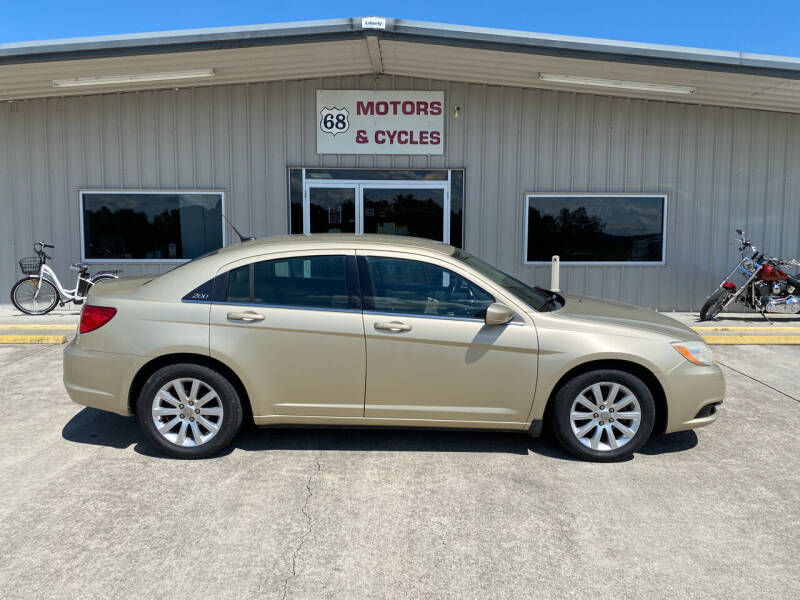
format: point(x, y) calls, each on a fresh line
point(246, 315)
point(392, 326)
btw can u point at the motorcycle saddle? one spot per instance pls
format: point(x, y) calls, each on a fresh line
point(794, 280)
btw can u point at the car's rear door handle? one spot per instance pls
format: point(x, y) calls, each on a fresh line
point(392, 326)
point(246, 315)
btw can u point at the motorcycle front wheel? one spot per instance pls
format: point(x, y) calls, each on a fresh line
point(34, 296)
point(714, 304)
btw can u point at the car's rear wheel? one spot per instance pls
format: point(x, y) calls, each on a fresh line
point(189, 411)
point(603, 415)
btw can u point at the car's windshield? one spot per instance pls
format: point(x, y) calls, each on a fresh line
point(537, 298)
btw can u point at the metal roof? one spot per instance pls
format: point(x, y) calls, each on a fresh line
point(313, 49)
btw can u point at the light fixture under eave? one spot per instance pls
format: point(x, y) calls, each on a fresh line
point(134, 78)
point(641, 86)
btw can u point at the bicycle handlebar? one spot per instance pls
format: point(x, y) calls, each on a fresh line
point(38, 248)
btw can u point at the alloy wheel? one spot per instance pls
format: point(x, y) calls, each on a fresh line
point(605, 416)
point(187, 412)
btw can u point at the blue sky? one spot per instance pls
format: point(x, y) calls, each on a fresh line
point(769, 27)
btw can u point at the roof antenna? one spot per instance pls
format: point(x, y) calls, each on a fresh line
point(242, 238)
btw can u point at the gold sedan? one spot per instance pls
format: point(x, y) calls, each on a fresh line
point(380, 331)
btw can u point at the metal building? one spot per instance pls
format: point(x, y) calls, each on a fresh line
point(634, 162)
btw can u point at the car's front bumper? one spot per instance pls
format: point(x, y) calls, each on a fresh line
point(100, 379)
point(689, 389)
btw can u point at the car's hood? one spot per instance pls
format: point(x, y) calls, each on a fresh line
point(618, 314)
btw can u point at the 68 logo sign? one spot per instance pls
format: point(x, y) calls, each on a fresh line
point(334, 120)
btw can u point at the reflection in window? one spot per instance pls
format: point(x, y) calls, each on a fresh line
point(595, 228)
point(419, 288)
point(302, 282)
point(417, 212)
point(332, 210)
point(150, 226)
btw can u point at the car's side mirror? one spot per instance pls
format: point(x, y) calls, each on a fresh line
point(498, 314)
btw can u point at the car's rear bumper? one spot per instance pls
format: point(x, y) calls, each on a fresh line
point(690, 389)
point(100, 379)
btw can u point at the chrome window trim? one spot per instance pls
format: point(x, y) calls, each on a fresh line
point(418, 316)
point(514, 321)
point(283, 306)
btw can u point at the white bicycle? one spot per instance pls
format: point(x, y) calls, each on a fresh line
point(40, 290)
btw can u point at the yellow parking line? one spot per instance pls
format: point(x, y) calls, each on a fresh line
point(33, 339)
point(760, 340)
point(38, 326)
point(763, 328)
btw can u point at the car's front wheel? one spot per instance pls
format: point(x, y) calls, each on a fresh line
point(603, 415)
point(189, 410)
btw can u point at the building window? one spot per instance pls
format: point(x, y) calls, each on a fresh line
point(626, 229)
point(156, 226)
point(418, 202)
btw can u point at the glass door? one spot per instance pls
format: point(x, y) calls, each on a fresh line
point(330, 207)
point(403, 210)
point(416, 208)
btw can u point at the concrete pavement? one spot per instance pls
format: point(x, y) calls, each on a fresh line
point(88, 510)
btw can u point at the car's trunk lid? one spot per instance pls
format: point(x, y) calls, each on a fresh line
point(118, 287)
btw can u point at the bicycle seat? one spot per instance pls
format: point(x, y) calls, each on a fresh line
point(79, 266)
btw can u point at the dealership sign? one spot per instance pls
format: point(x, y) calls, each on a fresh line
point(355, 122)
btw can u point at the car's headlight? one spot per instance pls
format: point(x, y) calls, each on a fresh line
point(695, 352)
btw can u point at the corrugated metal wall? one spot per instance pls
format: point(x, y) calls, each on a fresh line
point(723, 168)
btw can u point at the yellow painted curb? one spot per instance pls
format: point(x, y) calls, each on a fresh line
point(763, 328)
point(33, 339)
point(39, 326)
point(760, 340)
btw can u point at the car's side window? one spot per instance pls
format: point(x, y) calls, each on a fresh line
point(296, 282)
point(398, 285)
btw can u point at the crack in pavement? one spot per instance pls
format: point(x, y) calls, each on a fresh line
point(33, 353)
point(303, 537)
point(751, 378)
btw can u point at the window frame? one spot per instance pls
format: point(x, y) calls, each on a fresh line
point(526, 204)
point(81, 192)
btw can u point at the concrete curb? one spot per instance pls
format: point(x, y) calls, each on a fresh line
point(4, 327)
point(753, 340)
point(33, 339)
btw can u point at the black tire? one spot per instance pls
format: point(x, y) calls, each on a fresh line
point(21, 292)
point(714, 304)
point(561, 423)
point(229, 423)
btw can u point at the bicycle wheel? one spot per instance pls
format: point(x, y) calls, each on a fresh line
point(25, 298)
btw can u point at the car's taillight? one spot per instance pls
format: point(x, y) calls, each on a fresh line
point(93, 317)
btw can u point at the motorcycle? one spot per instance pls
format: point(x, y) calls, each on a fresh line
point(763, 285)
